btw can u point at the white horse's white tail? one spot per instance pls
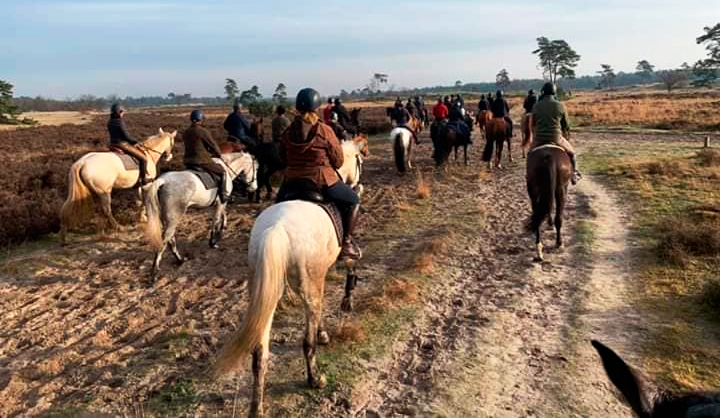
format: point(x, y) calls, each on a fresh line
point(266, 289)
point(78, 205)
point(153, 228)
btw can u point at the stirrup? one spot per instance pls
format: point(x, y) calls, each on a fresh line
point(576, 176)
point(354, 253)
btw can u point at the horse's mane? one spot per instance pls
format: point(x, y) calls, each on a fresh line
point(155, 140)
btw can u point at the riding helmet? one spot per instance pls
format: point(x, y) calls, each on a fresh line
point(531, 92)
point(117, 108)
point(499, 94)
point(197, 115)
point(548, 89)
point(236, 105)
point(308, 100)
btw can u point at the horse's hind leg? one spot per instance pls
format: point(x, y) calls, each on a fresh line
point(259, 367)
point(142, 216)
point(509, 149)
point(313, 297)
point(218, 225)
point(559, 208)
point(104, 200)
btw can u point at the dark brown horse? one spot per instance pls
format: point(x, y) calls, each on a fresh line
point(482, 118)
point(548, 174)
point(496, 134)
point(646, 402)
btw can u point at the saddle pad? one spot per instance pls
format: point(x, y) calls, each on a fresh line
point(547, 146)
point(128, 161)
point(336, 219)
point(208, 180)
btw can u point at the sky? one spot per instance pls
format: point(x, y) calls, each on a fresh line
point(65, 48)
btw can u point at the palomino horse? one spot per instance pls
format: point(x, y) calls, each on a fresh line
point(168, 197)
point(482, 119)
point(402, 143)
point(527, 134)
point(495, 137)
point(548, 174)
point(355, 149)
point(647, 402)
point(96, 174)
point(292, 242)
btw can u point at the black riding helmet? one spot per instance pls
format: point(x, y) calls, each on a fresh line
point(548, 89)
point(197, 115)
point(531, 92)
point(499, 94)
point(308, 100)
point(116, 108)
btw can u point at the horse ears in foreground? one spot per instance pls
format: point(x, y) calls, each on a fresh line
point(160, 131)
point(648, 402)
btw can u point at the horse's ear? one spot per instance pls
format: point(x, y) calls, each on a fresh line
point(161, 131)
point(632, 386)
point(173, 133)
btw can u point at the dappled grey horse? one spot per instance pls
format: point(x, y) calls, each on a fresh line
point(168, 198)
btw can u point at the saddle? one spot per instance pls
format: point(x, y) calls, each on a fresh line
point(306, 190)
point(130, 162)
point(539, 147)
point(209, 180)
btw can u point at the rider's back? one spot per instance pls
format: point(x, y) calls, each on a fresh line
point(499, 108)
point(312, 152)
point(550, 118)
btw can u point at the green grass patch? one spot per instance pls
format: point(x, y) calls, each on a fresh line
point(173, 399)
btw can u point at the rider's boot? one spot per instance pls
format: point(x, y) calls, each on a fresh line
point(576, 176)
point(349, 249)
point(142, 175)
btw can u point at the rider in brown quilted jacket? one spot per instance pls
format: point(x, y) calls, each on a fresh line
point(312, 152)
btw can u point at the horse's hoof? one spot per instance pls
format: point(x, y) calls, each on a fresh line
point(559, 246)
point(346, 305)
point(180, 261)
point(323, 338)
point(538, 259)
point(317, 382)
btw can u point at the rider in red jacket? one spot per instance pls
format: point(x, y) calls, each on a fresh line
point(440, 111)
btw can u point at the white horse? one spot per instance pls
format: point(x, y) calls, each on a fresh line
point(357, 149)
point(401, 139)
point(291, 242)
point(96, 174)
point(174, 192)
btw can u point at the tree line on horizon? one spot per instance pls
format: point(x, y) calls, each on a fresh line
point(556, 57)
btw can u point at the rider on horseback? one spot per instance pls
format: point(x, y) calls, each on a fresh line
point(501, 109)
point(401, 116)
point(238, 127)
point(458, 124)
point(122, 140)
point(530, 101)
point(200, 147)
point(344, 117)
point(313, 153)
point(440, 111)
point(483, 104)
point(340, 132)
point(550, 121)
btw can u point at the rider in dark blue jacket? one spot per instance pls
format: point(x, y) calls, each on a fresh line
point(457, 123)
point(238, 127)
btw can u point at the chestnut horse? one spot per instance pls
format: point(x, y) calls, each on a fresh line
point(495, 137)
point(548, 174)
point(527, 133)
point(646, 402)
point(482, 119)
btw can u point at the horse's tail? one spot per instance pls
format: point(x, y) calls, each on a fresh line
point(153, 228)
point(544, 178)
point(78, 205)
point(266, 289)
point(399, 152)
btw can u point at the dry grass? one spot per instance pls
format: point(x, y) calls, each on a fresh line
point(698, 110)
point(348, 333)
point(428, 254)
point(708, 158)
point(423, 190)
point(401, 290)
point(687, 236)
point(711, 297)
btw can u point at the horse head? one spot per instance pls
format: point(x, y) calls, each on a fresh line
point(257, 130)
point(243, 166)
point(161, 144)
point(647, 401)
point(361, 144)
